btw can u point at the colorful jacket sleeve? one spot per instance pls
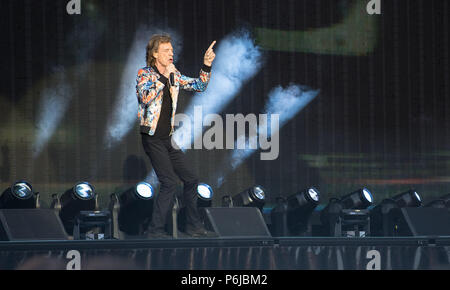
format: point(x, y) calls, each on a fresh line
point(196, 84)
point(147, 86)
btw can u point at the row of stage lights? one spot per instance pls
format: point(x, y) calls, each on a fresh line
point(135, 205)
point(291, 216)
point(355, 212)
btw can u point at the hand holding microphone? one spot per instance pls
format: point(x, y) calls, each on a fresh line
point(170, 73)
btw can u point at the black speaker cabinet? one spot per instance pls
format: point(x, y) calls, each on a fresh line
point(30, 224)
point(236, 222)
point(421, 221)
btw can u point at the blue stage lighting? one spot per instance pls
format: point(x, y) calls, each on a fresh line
point(80, 197)
point(19, 195)
point(253, 197)
point(409, 198)
point(205, 194)
point(360, 199)
point(136, 208)
point(299, 209)
point(84, 191)
point(144, 190)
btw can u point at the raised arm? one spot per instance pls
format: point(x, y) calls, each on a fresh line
point(199, 84)
point(196, 84)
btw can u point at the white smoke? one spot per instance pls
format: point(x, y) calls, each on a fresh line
point(54, 103)
point(152, 178)
point(55, 100)
point(238, 59)
point(286, 103)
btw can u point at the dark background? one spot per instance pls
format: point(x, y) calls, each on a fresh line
point(381, 119)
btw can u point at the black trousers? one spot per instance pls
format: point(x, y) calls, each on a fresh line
point(169, 165)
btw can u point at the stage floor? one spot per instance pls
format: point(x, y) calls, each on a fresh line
point(236, 253)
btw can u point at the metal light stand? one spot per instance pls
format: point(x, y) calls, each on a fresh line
point(114, 208)
point(353, 223)
point(92, 219)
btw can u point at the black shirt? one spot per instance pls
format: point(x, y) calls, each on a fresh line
point(164, 125)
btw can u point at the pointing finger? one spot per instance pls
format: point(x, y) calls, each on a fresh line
point(212, 44)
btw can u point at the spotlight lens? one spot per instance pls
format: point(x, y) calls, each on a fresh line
point(204, 191)
point(144, 189)
point(313, 194)
point(258, 192)
point(22, 190)
point(417, 196)
point(84, 191)
point(367, 195)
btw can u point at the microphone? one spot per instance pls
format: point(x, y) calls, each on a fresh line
point(172, 79)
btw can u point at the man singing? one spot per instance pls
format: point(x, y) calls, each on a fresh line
point(157, 89)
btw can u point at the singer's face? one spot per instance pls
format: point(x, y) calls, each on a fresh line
point(164, 55)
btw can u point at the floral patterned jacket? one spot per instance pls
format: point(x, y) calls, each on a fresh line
point(149, 91)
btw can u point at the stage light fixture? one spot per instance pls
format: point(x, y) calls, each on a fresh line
point(382, 217)
point(80, 197)
point(291, 216)
point(252, 197)
point(299, 208)
point(329, 216)
point(278, 225)
point(309, 197)
point(409, 198)
point(348, 216)
point(144, 190)
point(179, 211)
point(380, 220)
point(360, 199)
point(205, 195)
point(136, 208)
point(19, 195)
point(93, 225)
